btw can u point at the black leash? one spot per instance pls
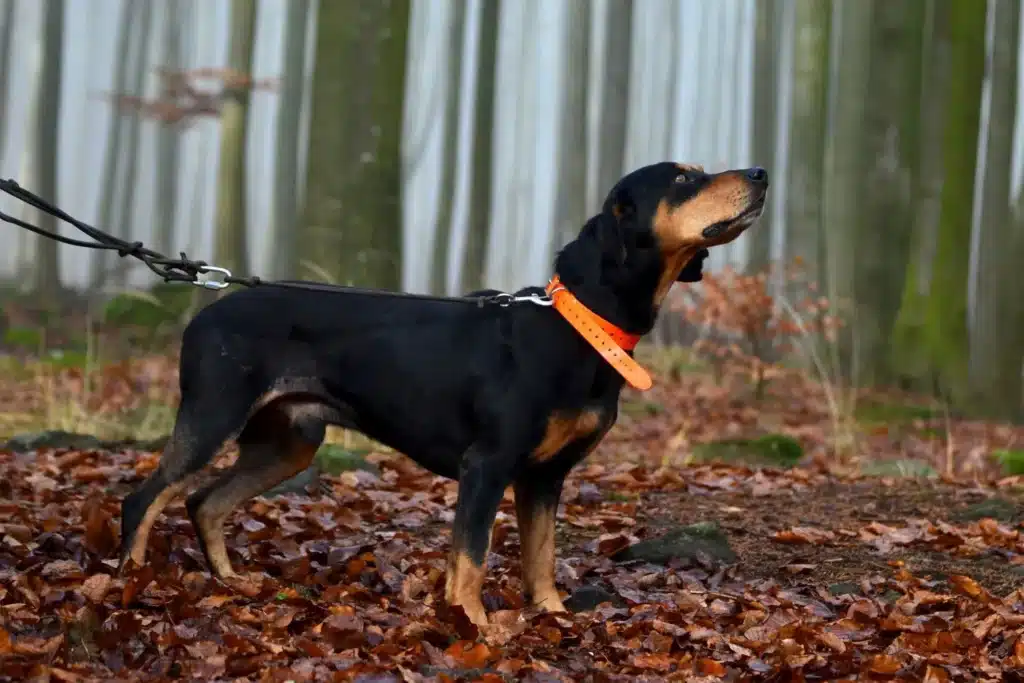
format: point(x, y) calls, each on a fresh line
point(202, 274)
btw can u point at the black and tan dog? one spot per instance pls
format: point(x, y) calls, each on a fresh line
point(487, 395)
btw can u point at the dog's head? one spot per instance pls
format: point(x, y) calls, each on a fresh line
point(682, 211)
point(657, 224)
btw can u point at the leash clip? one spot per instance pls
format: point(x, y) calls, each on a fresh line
point(212, 277)
point(505, 299)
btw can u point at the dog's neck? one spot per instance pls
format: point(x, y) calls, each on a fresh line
point(625, 297)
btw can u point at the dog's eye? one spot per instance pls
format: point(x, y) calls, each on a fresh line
point(683, 178)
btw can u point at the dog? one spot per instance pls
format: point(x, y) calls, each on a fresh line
point(488, 395)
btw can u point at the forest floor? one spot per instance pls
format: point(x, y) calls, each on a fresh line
point(888, 544)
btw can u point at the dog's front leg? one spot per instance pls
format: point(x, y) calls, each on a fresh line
point(537, 493)
point(482, 482)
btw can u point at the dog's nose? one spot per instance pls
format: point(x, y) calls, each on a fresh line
point(757, 175)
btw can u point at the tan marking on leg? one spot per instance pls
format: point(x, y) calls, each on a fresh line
point(537, 551)
point(464, 581)
point(258, 468)
point(141, 539)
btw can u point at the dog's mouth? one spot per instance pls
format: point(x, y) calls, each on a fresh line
point(732, 227)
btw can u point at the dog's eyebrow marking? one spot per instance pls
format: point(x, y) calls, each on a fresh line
point(690, 167)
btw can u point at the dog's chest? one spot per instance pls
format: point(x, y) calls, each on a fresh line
point(566, 427)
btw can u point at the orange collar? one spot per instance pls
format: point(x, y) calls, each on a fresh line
point(607, 339)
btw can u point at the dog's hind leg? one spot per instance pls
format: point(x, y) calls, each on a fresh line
point(198, 433)
point(278, 442)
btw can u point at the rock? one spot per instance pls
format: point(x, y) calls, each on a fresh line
point(56, 438)
point(844, 588)
point(586, 598)
point(770, 450)
point(900, 469)
point(996, 508)
point(702, 544)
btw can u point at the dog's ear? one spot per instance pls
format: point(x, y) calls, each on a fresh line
point(693, 271)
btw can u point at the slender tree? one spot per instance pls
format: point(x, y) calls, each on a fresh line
point(910, 364)
point(847, 164)
point(232, 249)
point(765, 118)
point(133, 133)
point(449, 161)
point(6, 45)
point(482, 164)
point(168, 145)
point(112, 164)
point(891, 142)
point(614, 113)
point(45, 139)
point(996, 351)
point(353, 226)
point(571, 209)
point(284, 244)
point(804, 237)
point(946, 342)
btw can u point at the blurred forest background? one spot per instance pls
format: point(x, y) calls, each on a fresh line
point(441, 145)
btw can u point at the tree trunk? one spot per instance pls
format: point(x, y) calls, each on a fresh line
point(353, 206)
point(892, 142)
point(232, 249)
point(614, 114)
point(478, 234)
point(946, 343)
point(46, 136)
point(765, 118)
point(450, 146)
point(804, 228)
point(6, 44)
point(846, 166)
point(284, 244)
point(128, 25)
point(168, 145)
point(910, 365)
point(140, 64)
point(996, 353)
point(571, 209)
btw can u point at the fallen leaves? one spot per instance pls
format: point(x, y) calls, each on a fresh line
point(349, 586)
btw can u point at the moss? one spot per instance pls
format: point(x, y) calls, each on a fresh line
point(899, 468)
point(770, 450)
point(875, 412)
point(1012, 461)
point(335, 459)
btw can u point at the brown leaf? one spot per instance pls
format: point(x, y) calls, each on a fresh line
point(136, 583)
point(470, 655)
point(62, 570)
point(884, 664)
point(710, 667)
point(96, 587)
point(100, 536)
point(654, 660)
point(969, 587)
point(832, 641)
point(803, 534)
point(37, 647)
